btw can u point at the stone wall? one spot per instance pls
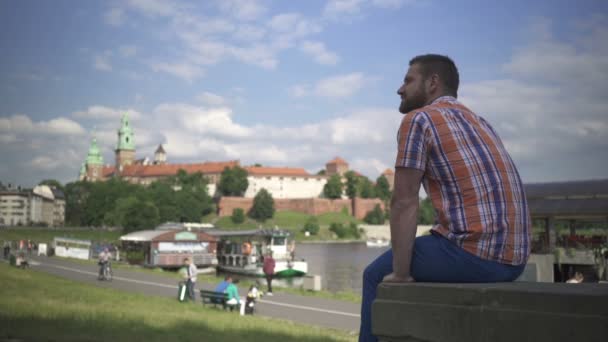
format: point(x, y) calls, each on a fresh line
point(501, 312)
point(310, 206)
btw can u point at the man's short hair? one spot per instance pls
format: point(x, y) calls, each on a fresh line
point(443, 66)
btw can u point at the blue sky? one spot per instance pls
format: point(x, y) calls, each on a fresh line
point(294, 83)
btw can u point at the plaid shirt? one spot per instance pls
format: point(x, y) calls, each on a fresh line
point(472, 182)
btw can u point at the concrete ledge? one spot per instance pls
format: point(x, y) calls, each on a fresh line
point(491, 312)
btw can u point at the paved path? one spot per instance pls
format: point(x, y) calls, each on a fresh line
point(304, 309)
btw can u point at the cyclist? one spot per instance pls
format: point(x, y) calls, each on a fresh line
point(104, 259)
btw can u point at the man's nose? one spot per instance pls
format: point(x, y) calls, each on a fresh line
point(400, 90)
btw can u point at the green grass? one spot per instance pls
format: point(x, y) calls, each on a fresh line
point(47, 234)
point(37, 306)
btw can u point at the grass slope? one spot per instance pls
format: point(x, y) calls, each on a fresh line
point(36, 306)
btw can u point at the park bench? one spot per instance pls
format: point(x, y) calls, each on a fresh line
point(216, 298)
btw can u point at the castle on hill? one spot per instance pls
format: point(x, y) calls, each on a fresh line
point(281, 182)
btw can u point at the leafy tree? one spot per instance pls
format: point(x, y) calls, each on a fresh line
point(76, 196)
point(342, 231)
point(321, 172)
point(233, 182)
point(333, 187)
point(257, 165)
point(311, 226)
point(140, 215)
point(426, 212)
point(238, 216)
point(382, 188)
point(263, 206)
point(351, 184)
point(375, 216)
point(366, 188)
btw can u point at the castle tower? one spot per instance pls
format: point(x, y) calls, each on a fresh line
point(125, 149)
point(160, 156)
point(389, 174)
point(336, 166)
point(94, 163)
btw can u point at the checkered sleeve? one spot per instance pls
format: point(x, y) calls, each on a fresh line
point(411, 141)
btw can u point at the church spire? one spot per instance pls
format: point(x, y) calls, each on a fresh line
point(125, 135)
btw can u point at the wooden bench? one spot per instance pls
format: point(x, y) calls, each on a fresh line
point(216, 298)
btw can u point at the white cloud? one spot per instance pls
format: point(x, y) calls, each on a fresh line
point(335, 8)
point(299, 90)
point(154, 8)
point(45, 163)
point(243, 10)
point(102, 62)
point(319, 52)
point(390, 4)
point(211, 99)
point(21, 125)
point(249, 33)
point(114, 17)
point(340, 86)
point(105, 113)
point(552, 104)
point(186, 71)
point(128, 50)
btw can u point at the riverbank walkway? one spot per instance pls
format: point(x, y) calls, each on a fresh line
point(311, 310)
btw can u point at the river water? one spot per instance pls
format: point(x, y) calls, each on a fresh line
point(340, 265)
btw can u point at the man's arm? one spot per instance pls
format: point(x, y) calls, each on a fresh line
point(404, 209)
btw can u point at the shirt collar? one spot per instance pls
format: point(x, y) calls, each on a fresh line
point(446, 98)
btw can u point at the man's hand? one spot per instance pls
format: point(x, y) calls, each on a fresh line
point(393, 278)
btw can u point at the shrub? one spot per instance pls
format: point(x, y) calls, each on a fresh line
point(311, 226)
point(376, 216)
point(238, 216)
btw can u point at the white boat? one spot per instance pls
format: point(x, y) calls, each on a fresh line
point(377, 242)
point(243, 251)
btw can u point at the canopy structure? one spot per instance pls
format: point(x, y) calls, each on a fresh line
point(573, 201)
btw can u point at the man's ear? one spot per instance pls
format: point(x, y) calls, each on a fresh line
point(433, 83)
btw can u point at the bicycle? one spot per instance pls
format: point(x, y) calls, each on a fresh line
point(106, 272)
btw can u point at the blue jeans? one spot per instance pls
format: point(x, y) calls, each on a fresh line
point(435, 259)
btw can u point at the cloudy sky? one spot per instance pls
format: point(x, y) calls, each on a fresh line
point(294, 83)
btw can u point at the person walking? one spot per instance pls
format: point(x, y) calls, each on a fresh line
point(482, 232)
point(191, 272)
point(269, 265)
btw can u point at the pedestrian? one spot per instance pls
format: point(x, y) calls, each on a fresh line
point(191, 272)
point(268, 269)
point(577, 279)
point(482, 233)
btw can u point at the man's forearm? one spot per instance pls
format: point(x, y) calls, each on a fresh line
point(403, 233)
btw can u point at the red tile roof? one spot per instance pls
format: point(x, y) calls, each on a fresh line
point(172, 169)
point(276, 171)
point(107, 171)
point(338, 161)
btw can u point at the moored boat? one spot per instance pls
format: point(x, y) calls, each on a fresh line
point(243, 252)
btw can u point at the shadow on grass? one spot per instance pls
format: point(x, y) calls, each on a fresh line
point(108, 329)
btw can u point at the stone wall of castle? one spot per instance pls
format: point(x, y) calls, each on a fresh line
point(309, 206)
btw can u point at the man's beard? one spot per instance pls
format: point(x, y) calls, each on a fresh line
point(413, 102)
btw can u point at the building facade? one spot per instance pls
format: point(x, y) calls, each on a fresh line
point(41, 205)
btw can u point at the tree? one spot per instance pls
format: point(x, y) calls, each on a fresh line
point(426, 212)
point(263, 206)
point(311, 226)
point(351, 184)
point(321, 172)
point(140, 215)
point(76, 196)
point(233, 182)
point(366, 188)
point(375, 216)
point(344, 232)
point(333, 187)
point(382, 188)
point(238, 216)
